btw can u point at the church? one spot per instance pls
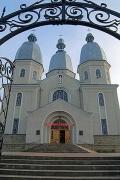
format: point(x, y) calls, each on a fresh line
point(60, 108)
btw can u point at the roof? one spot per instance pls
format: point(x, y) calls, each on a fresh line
point(60, 60)
point(91, 51)
point(30, 50)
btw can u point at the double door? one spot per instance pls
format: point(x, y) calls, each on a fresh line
point(60, 136)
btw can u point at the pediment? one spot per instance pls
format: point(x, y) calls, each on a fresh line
point(61, 105)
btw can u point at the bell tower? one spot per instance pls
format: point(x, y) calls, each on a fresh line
point(28, 62)
point(93, 67)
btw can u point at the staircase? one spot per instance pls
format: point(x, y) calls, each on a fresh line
point(56, 148)
point(33, 167)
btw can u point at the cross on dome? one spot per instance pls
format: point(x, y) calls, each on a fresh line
point(60, 45)
point(32, 38)
point(89, 38)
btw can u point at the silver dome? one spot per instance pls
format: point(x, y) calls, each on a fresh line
point(29, 50)
point(60, 60)
point(91, 51)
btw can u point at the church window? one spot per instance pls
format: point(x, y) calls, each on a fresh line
point(60, 79)
point(22, 73)
point(19, 99)
point(15, 126)
point(104, 127)
point(60, 94)
point(85, 75)
point(34, 75)
point(37, 132)
point(81, 133)
point(108, 76)
point(101, 99)
point(98, 73)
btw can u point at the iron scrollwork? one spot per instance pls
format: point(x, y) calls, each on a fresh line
point(6, 78)
point(76, 12)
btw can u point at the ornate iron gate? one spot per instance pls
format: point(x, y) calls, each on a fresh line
point(58, 12)
point(6, 77)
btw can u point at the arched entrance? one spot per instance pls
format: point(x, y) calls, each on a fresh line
point(60, 132)
point(59, 127)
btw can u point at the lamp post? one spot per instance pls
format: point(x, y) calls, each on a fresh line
point(6, 78)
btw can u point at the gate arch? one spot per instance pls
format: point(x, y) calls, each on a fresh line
point(59, 12)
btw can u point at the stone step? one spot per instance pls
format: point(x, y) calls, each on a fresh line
point(27, 156)
point(62, 162)
point(15, 177)
point(55, 148)
point(59, 167)
point(71, 173)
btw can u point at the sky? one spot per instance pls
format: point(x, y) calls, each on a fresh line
point(74, 37)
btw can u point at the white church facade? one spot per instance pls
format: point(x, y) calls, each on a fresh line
point(61, 108)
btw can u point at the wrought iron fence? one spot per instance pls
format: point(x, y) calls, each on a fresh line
point(6, 78)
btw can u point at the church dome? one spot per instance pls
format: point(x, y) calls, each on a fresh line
point(91, 51)
point(60, 60)
point(29, 50)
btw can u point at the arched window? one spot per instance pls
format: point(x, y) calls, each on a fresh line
point(108, 76)
point(104, 127)
point(34, 75)
point(60, 94)
point(85, 75)
point(98, 73)
point(19, 99)
point(22, 73)
point(60, 79)
point(101, 99)
point(15, 126)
